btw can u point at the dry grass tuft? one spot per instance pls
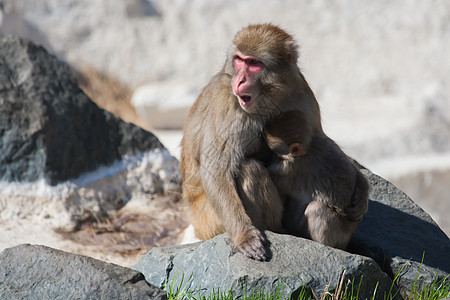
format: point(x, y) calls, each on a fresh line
point(108, 93)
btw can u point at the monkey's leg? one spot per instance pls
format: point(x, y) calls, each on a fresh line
point(201, 214)
point(206, 222)
point(294, 221)
point(326, 226)
point(359, 200)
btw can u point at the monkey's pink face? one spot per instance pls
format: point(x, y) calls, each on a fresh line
point(244, 82)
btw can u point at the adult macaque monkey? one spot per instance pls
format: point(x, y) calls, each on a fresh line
point(325, 193)
point(226, 191)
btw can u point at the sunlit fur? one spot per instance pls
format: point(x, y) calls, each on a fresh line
point(225, 190)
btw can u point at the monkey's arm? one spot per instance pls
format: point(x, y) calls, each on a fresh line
point(359, 199)
point(218, 180)
point(345, 188)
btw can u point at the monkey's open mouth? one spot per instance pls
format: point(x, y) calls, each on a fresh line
point(245, 100)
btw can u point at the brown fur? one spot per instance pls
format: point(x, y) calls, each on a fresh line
point(227, 191)
point(326, 194)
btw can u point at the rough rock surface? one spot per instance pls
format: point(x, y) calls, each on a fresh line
point(295, 263)
point(48, 127)
point(62, 158)
point(395, 233)
point(37, 272)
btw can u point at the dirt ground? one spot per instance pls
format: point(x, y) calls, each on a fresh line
point(131, 232)
point(122, 238)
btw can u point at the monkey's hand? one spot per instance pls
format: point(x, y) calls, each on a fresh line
point(253, 245)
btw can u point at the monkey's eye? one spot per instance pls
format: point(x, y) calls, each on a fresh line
point(239, 59)
point(254, 62)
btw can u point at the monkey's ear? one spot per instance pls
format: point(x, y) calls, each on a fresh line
point(296, 149)
point(291, 52)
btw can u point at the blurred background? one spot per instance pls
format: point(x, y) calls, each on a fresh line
point(380, 70)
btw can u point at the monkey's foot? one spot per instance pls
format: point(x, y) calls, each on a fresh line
point(254, 245)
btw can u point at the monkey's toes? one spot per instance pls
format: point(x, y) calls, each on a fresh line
point(254, 247)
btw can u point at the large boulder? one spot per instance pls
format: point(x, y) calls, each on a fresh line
point(401, 237)
point(62, 158)
point(396, 237)
point(38, 272)
point(49, 128)
point(295, 264)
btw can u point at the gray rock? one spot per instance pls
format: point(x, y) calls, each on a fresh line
point(64, 160)
point(38, 272)
point(49, 129)
point(397, 233)
point(295, 263)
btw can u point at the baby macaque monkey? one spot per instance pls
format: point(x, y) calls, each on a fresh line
point(325, 194)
